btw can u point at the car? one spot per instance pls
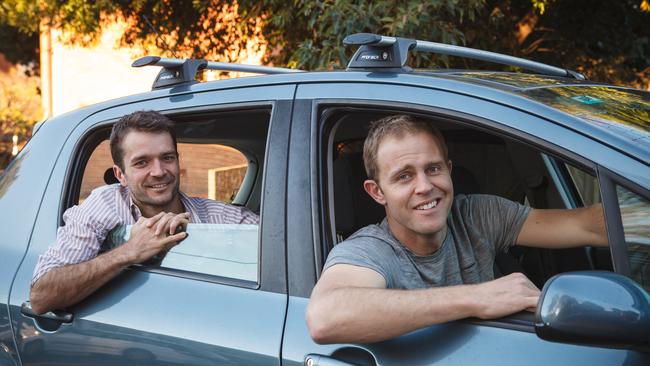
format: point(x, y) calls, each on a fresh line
point(287, 145)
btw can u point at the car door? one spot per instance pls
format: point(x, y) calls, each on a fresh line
point(158, 315)
point(21, 190)
point(508, 341)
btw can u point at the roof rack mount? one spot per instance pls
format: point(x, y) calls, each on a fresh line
point(177, 72)
point(383, 52)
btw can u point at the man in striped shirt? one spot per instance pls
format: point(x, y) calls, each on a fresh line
point(143, 148)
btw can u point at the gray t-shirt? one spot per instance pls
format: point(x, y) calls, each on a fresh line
point(479, 227)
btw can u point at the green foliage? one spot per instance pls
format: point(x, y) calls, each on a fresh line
point(17, 46)
point(312, 32)
point(20, 108)
point(608, 40)
point(20, 103)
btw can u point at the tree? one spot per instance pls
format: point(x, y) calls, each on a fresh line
point(20, 107)
point(610, 41)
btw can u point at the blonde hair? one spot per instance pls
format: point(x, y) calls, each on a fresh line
point(398, 126)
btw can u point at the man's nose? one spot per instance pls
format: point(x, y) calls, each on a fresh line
point(423, 183)
point(157, 168)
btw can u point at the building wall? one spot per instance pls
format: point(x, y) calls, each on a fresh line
point(86, 75)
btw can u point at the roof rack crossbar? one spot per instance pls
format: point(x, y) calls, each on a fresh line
point(472, 53)
point(182, 71)
point(383, 52)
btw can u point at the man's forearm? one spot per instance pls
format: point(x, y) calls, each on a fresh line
point(596, 224)
point(368, 314)
point(68, 285)
point(355, 314)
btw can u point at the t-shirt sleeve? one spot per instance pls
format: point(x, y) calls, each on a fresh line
point(500, 219)
point(365, 252)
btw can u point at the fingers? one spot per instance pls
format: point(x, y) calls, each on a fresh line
point(172, 240)
point(180, 220)
point(532, 310)
point(506, 295)
point(168, 222)
point(152, 220)
point(520, 279)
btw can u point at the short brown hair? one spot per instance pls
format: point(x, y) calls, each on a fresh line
point(142, 121)
point(395, 125)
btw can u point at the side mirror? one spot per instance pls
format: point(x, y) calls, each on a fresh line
point(594, 308)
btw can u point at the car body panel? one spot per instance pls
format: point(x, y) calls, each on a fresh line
point(142, 328)
point(149, 317)
point(454, 343)
point(21, 192)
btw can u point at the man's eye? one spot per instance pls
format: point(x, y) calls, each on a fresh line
point(433, 170)
point(404, 176)
point(139, 163)
point(169, 158)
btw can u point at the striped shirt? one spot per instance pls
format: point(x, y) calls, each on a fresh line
point(87, 225)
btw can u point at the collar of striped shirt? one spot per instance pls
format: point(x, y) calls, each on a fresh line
point(186, 201)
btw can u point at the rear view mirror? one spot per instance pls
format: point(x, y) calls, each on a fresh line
point(595, 308)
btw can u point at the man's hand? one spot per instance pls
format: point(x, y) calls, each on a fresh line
point(505, 296)
point(67, 285)
point(150, 236)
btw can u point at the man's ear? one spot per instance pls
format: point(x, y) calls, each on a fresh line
point(373, 189)
point(119, 175)
point(449, 166)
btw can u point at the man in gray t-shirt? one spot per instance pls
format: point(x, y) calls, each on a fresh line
point(431, 259)
point(479, 226)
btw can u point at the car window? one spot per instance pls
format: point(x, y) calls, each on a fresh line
point(587, 193)
point(486, 163)
point(226, 250)
point(586, 185)
point(217, 162)
point(635, 214)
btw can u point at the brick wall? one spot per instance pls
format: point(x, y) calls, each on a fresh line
point(196, 160)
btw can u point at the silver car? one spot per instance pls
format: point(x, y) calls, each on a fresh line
point(287, 145)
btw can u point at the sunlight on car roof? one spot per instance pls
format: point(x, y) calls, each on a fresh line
point(626, 108)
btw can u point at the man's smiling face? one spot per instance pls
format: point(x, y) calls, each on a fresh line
point(414, 185)
point(151, 171)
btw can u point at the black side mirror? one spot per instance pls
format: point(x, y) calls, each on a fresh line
point(594, 308)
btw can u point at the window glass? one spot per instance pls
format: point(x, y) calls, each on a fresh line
point(226, 250)
point(586, 185)
point(635, 214)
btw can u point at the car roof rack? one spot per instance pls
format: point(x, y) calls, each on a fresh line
point(176, 72)
point(390, 54)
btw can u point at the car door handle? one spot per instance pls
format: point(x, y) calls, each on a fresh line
point(57, 315)
point(313, 359)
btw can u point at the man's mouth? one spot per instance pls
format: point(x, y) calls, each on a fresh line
point(158, 185)
point(428, 205)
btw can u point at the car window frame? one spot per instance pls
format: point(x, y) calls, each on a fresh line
point(321, 154)
point(460, 118)
point(608, 182)
point(95, 134)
